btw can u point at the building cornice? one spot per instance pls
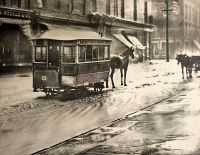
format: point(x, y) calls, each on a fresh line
point(67, 18)
point(120, 22)
point(92, 19)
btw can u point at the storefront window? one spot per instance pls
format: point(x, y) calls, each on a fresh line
point(155, 49)
point(6, 54)
point(41, 53)
point(163, 49)
point(69, 54)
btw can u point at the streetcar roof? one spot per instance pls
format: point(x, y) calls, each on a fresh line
point(70, 34)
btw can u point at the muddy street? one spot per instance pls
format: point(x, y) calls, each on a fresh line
point(50, 121)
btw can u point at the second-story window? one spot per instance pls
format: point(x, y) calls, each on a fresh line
point(16, 3)
point(94, 5)
point(41, 3)
point(135, 10)
point(57, 4)
point(79, 6)
point(2, 2)
point(115, 7)
point(27, 4)
point(122, 8)
point(19, 4)
point(69, 6)
point(72, 5)
point(108, 7)
point(84, 7)
point(44, 2)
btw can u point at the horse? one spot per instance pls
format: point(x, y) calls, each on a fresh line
point(185, 62)
point(121, 63)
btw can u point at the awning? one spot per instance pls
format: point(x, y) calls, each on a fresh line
point(14, 21)
point(71, 33)
point(121, 38)
point(197, 44)
point(136, 42)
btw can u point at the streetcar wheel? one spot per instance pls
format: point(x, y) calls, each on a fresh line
point(98, 87)
point(48, 93)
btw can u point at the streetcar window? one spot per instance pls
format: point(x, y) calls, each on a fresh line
point(40, 53)
point(95, 53)
point(89, 53)
point(81, 55)
point(106, 53)
point(101, 52)
point(69, 54)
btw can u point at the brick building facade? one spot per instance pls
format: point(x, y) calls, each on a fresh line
point(27, 19)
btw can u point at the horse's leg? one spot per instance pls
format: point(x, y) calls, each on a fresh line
point(125, 70)
point(121, 71)
point(182, 71)
point(186, 70)
point(111, 76)
point(107, 83)
point(190, 72)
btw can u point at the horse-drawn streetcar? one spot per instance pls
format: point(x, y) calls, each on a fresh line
point(196, 62)
point(67, 59)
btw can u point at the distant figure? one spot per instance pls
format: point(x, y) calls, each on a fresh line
point(53, 57)
point(122, 64)
point(185, 62)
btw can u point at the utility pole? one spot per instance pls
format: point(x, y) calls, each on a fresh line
point(167, 28)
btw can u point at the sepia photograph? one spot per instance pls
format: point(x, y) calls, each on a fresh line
point(99, 77)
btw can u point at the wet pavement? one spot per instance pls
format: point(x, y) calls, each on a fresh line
point(165, 128)
point(47, 121)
